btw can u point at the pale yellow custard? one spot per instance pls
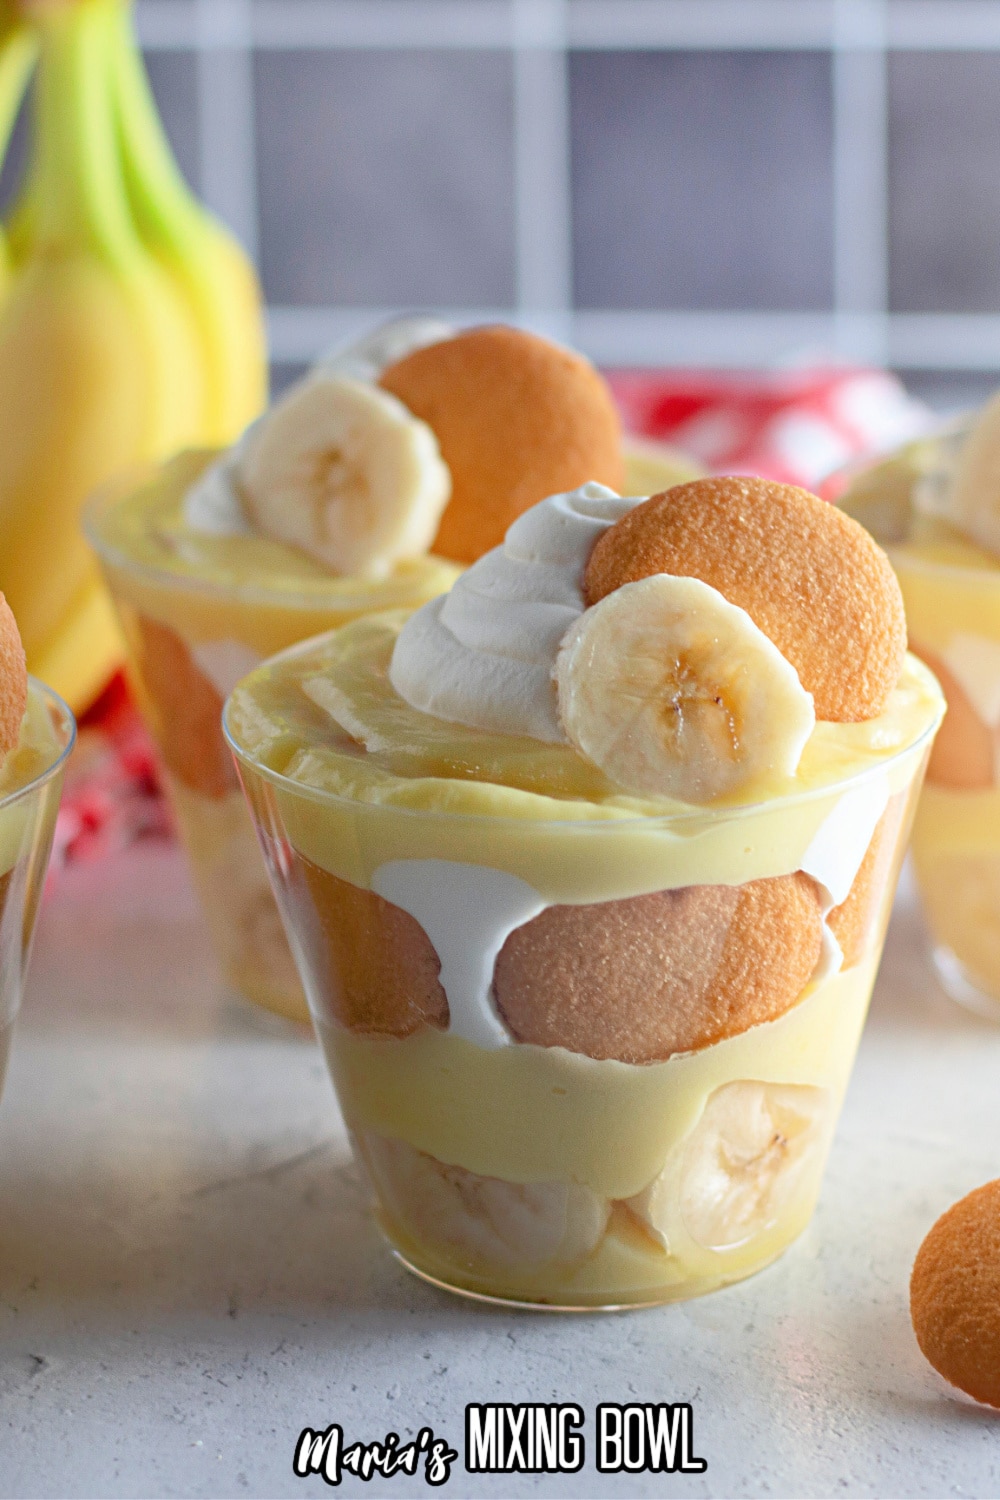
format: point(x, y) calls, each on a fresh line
point(325, 717)
point(198, 611)
point(30, 784)
point(244, 588)
point(541, 1173)
point(951, 589)
point(45, 730)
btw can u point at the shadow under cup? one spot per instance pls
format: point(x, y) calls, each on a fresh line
point(27, 824)
point(459, 968)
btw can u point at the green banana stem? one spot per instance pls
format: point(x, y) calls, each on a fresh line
point(167, 212)
point(79, 191)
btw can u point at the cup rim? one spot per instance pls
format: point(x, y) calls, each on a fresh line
point(688, 818)
point(67, 721)
point(324, 597)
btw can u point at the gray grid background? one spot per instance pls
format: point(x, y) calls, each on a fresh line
point(707, 182)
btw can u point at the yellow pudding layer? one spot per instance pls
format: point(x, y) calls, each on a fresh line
point(326, 720)
point(956, 854)
point(950, 586)
point(951, 590)
point(525, 1114)
point(30, 783)
point(241, 598)
point(246, 588)
point(531, 1114)
point(40, 745)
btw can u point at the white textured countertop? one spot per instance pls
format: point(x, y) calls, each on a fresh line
point(188, 1275)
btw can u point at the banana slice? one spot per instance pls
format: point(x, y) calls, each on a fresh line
point(757, 1148)
point(974, 502)
point(497, 1223)
point(671, 690)
point(342, 470)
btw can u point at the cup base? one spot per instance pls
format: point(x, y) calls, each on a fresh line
point(516, 1303)
point(960, 984)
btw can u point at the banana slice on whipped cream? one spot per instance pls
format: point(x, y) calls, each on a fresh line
point(681, 643)
point(345, 472)
point(339, 469)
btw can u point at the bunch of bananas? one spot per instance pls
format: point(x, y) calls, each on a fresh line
point(130, 320)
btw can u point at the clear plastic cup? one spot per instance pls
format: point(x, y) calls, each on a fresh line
point(27, 823)
point(554, 1170)
point(193, 625)
point(952, 595)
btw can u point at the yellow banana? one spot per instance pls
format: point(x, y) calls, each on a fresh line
point(18, 50)
point(101, 359)
point(205, 261)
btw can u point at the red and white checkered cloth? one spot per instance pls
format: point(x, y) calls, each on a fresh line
point(113, 794)
point(795, 426)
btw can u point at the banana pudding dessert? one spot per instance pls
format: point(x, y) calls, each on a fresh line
point(366, 487)
point(36, 735)
point(935, 506)
point(587, 865)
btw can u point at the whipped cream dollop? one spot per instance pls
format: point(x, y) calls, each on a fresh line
point(213, 504)
point(483, 654)
point(366, 357)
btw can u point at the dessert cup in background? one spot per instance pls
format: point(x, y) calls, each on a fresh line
point(30, 784)
point(198, 610)
point(328, 509)
point(951, 587)
point(591, 1037)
